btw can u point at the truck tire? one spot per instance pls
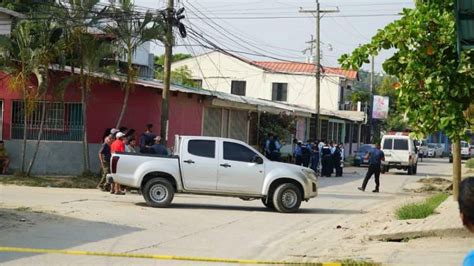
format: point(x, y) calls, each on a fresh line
point(268, 203)
point(158, 192)
point(415, 168)
point(410, 170)
point(287, 198)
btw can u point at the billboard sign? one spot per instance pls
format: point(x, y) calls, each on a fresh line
point(380, 107)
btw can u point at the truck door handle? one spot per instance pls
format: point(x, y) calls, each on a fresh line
point(225, 165)
point(189, 161)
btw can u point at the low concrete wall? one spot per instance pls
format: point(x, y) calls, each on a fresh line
point(53, 158)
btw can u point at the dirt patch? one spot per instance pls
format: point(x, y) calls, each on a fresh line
point(430, 184)
point(51, 181)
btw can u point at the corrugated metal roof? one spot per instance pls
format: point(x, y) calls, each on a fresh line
point(304, 68)
point(258, 104)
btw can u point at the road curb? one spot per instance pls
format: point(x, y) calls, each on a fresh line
point(406, 235)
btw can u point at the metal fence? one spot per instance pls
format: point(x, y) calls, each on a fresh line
point(63, 121)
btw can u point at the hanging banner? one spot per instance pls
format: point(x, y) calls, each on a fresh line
point(380, 107)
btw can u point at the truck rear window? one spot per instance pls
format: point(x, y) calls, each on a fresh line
point(400, 144)
point(387, 144)
point(203, 148)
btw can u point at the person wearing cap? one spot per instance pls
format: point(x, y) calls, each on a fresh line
point(117, 146)
point(466, 211)
point(159, 148)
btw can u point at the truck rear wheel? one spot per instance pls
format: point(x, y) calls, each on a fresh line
point(158, 192)
point(287, 198)
point(410, 169)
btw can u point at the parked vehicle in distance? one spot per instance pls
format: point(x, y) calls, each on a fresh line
point(442, 149)
point(435, 150)
point(215, 166)
point(400, 152)
point(359, 155)
point(465, 151)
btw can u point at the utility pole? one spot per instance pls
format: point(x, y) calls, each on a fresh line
point(371, 125)
point(167, 72)
point(317, 14)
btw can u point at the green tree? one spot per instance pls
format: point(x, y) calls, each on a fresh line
point(436, 85)
point(78, 16)
point(130, 32)
point(395, 120)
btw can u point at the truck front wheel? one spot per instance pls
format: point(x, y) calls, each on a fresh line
point(158, 192)
point(287, 198)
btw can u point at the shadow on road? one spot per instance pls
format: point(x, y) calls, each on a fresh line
point(302, 210)
point(24, 228)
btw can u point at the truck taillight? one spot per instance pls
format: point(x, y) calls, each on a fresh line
point(115, 160)
point(409, 158)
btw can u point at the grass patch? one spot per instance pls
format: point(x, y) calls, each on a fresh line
point(23, 209)
point(470, 163)
point(422, 209)
point(83, 181)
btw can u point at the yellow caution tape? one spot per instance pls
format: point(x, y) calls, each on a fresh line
point(158, 257)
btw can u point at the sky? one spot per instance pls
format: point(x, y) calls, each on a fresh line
point(269, 30)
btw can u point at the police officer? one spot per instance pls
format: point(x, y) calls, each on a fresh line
point(376, 156)
point(326, 169)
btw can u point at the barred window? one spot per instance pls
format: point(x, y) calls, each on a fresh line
point(63, 121)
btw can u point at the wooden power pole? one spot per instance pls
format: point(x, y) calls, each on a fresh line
point(317, 14)
point(167, 72)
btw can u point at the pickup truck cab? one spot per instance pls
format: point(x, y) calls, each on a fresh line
point(215, 166)
point(400, 152)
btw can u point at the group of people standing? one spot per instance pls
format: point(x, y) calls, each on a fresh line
point(123, 140)
point(310, 153)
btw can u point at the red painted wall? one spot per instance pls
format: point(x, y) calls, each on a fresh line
point(104, 106)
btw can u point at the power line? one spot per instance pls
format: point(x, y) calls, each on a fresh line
point(296, 17)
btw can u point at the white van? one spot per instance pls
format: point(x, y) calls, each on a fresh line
point(400, 152)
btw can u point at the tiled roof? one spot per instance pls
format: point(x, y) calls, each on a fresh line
point(303, 68)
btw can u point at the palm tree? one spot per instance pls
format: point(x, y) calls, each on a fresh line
point(33, 46)
point(131, 30)
point(80, 16)
point(49, 46)
point(19, 60)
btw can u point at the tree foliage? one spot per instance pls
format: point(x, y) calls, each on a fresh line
point(281, 125)
point(435, 85)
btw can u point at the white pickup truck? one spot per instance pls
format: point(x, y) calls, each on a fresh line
point(215, 166)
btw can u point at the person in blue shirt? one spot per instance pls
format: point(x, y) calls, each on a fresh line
point(466, 209)
point(315, 156)
point(272, 148)
point(298, 153)
point(159, 148)
point(375, 156)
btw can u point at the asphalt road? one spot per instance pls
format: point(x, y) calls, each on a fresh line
point(328, 227)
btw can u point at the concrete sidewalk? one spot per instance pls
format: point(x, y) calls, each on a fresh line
point(445, 223)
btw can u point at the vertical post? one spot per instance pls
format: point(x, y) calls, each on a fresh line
point(359, 133)
point(456, 168)
point(318, 71)
point(167, 72)
point(371, 126)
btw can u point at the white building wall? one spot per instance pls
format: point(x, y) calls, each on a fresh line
point(219, 71)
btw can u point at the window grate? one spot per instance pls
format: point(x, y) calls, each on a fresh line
point(63, 121)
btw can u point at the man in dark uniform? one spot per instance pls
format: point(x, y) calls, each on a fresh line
point(326, 161)
point(376, 156)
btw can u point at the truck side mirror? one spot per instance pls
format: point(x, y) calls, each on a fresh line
point(257, 159)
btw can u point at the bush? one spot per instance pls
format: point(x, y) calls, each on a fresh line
point(420, 210)
point(470, 163)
